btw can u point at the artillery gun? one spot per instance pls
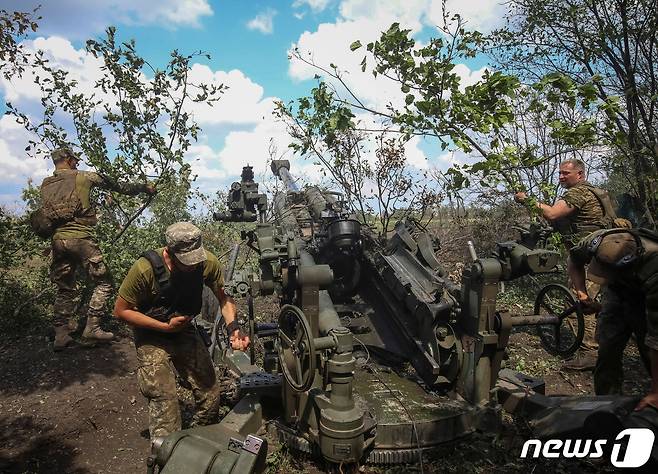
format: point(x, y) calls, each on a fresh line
point(375, 354)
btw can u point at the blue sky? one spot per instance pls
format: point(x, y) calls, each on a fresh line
point(248, 42)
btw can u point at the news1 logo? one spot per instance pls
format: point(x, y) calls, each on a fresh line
point(637, 441)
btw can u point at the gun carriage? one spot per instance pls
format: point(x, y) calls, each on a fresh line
point(376, 355)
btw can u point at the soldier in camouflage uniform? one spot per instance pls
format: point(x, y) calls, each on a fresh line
point(626, 261)
point(577, 213)
point(74, 245)
point(159, 298)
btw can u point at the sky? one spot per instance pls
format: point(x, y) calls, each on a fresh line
point(249, 42)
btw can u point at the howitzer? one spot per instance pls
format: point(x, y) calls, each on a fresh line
point(376, 354)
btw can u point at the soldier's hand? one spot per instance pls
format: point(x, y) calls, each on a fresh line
point(239, 341)
point(178, 323)
point(150, 189)
point(520, 197)
point(651, 399)
point(590, 306)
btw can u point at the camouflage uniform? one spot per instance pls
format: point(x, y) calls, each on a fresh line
point(68, 254)
point(162, 355)
point(589, 216)
point(159, 358)
point(629, 306)
point(73, 246)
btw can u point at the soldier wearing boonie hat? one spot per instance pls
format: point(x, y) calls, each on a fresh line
point(159, 297)
point(626, 262)
point(67, 196)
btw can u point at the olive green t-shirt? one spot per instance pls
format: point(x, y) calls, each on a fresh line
point(140, 286)
point(642, 275)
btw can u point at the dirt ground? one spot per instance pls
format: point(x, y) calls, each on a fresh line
point(80, 411)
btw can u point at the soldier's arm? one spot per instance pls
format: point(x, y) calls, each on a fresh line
point(230, 313)
point(132, 289)
point(129, 189)
point(557, 211)
point(126, 312)
point(576, 274)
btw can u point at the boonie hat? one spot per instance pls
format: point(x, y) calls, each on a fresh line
point(611, 253)
point(184, 240)
point(62, 154)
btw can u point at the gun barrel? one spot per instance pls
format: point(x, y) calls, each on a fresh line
point(231, 261)
point(281, 168)
point(288, 180)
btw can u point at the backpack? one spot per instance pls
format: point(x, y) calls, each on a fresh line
point(60, 204)
point(609, 215)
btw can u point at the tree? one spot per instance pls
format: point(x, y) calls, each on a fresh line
point(136, 112)
point(373, 174)
point(14, 26)
point(610, 44)
point(510, 127)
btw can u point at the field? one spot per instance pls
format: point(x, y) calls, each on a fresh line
point(80, 411)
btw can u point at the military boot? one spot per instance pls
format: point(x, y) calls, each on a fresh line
point(581, 361)
point(62, 338)
point(94, 333)
point(73, 324)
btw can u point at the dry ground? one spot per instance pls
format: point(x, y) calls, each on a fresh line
point(80, 411)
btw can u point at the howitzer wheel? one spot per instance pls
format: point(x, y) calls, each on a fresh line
point(564, 338)
point(296, 348)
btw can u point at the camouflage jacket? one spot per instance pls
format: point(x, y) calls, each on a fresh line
point(588, 216)
point(84, 182)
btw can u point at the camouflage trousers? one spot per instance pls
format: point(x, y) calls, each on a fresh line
point(589, 339)
point(623, 313)
point(160, 357)
point(69, 255)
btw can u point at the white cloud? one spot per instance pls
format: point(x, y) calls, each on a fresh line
point(81, 66)
point(408, 13)
point(16, 167)
point(330, 44)
point(264, 22)
point(479, 15)
point(468, 76)
point(243, 114)
point(244, 147)
point(365, 20)
point(80, 19)
point(315, 5)
point(241, 103)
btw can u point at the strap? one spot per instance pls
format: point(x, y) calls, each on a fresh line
point(159, 269)
point(603, 198)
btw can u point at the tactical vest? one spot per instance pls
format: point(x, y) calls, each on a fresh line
point(178, 293)
point(609, 215)
point(61, 202)
point(569, 225)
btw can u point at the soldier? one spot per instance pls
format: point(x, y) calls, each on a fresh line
point(159, 297)
point(582, 209)
point(626, 261)
point(74, 245)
